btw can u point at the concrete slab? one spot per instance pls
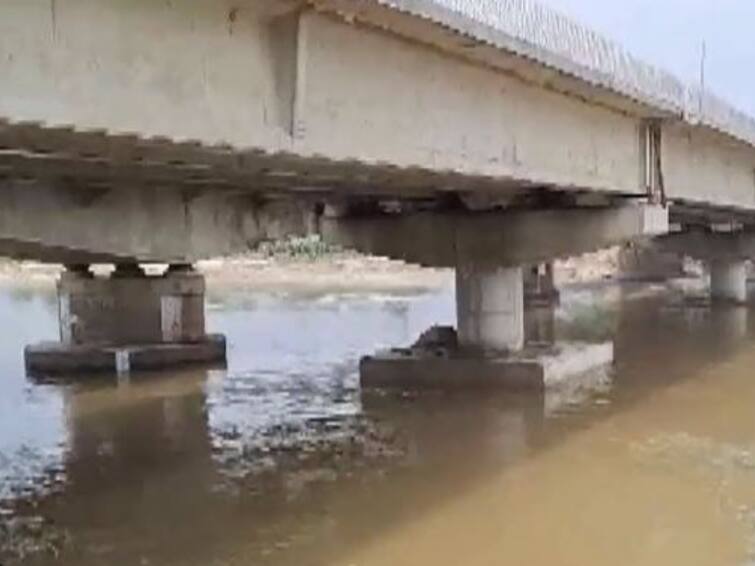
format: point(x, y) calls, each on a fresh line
point(536, 368)
point(57, 358)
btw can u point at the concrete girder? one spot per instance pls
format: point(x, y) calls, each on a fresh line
point(73, 225)
point(308, 84)
point(709, 246)
point(50, 253)
point(512, 238)
point(311, 86)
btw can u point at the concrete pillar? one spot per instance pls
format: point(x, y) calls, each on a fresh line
point(128, 321)
point(131, 308)
point(540, 287)
point(548, 279)
point(540, 325)
point(728, 280)
point(490, 307)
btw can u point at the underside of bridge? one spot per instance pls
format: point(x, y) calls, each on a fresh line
point(394, 134)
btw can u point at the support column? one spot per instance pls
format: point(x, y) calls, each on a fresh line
point(128, 321)
point(540, 325)
point(728, 280)
point(488, 347)
point(490, 307)
point(540, 286)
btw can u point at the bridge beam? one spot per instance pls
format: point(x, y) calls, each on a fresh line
point(79, 224)
point(708, 246)
point(498, 238)
point(126, 322)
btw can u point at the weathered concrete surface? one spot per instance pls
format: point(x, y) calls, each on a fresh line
point(321, 84)
point(494, 238)
point(709, 246)
point(82, 225)
point(649, 261)
point(533, 369)
point(54, 358)
point(131, 309)
point(72, 225)
point(503, 31)
point(726, 254)
point(128, 322)
point(490, 307)
point(314, 84)
point(728, 281)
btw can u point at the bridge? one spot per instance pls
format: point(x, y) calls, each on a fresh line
point(485, 135)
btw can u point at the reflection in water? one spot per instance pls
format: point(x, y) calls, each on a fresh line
point(282, 460)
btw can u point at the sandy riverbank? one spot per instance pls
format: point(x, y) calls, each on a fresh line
point(332, 272)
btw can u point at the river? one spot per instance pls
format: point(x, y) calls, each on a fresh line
point(280, 459)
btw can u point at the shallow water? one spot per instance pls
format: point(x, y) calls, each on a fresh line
point(280, 459)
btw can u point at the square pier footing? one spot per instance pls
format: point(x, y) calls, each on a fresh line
point(536, 368)
point(57, 358)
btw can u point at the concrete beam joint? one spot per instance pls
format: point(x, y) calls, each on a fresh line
point(710, 246)
point(128, 270)
point(508, 238)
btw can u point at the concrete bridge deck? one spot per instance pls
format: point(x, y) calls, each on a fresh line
point(485, 134)
point(407, 99)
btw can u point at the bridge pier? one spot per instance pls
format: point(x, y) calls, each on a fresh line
point(491, 347)
point(128, 321)
point(540, 287)
point(726, 255)
point(728, 281)
point(492, 344)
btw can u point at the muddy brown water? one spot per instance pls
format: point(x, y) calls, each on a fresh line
point(281, 460)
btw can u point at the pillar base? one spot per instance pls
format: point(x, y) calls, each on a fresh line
point(55, 358)
point(537, 367)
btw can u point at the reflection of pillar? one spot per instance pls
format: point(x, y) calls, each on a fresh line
point(472, 426)
point(539, 325)
point(490, 307)
point(728, 280)
point(730, 323)
point(140, 457)
point(148, 424)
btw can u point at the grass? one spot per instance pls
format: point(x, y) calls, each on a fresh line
point(309, 248)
